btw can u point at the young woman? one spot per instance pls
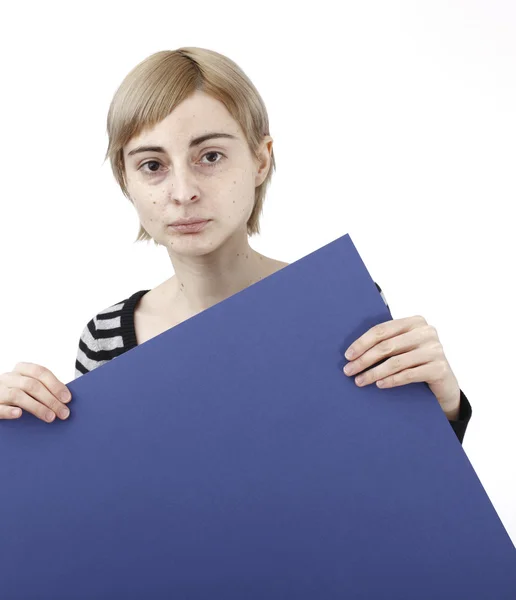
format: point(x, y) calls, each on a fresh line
point(189, 146)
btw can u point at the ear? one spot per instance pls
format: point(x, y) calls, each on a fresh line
point(264, 164)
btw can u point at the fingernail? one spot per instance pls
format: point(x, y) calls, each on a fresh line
point(65, 396)
point(349, 354)
point(16, 412)
point(50, 416)
point(63, 413)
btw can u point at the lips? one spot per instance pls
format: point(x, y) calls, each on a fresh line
point(189, 221)
point(191, 226)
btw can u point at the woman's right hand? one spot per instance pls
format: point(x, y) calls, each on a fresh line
point(35, 389)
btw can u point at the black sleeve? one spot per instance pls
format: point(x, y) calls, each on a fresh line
point(465, 411)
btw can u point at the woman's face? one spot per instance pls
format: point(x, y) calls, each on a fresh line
point(214, 179)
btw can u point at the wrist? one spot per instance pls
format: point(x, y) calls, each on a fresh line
point(452, 411)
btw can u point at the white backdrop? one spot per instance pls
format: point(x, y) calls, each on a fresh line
point(394, 122)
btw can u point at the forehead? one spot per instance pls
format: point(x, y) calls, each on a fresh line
point(197, 115)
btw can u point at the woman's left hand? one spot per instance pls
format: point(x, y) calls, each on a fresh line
point(416, 355)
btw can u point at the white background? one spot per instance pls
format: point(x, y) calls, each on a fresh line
point(394, 122)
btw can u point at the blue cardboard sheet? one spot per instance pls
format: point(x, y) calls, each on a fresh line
point(230, 457)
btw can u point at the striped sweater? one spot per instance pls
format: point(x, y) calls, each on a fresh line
point(111, 332)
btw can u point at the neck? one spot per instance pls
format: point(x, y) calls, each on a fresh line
point(203, 281)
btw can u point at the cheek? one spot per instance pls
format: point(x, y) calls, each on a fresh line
point(241, 193)
point(149, 210)
point(239, 206)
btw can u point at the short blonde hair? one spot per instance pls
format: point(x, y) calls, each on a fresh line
point(152, 90)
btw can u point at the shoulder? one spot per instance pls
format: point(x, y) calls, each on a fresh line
point(107, 334)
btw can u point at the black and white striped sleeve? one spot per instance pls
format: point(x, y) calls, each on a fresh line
point(87, 352)
point(383, 296)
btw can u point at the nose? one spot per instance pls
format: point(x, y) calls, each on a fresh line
point(183, 187)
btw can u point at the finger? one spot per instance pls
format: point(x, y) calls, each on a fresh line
point(10, 412)
point(51, 382)
point(38, 391)
point(40, 403)
point(382, 331)
point(14, 397)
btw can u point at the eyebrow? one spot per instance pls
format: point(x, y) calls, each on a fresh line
point(194, 142)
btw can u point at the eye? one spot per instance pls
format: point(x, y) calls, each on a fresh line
point(209, 164)
point(212, 164)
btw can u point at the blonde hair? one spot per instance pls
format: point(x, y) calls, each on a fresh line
point(152, 90)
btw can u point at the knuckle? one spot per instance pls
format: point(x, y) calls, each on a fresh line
point(424, 333)
point(31, 386)
point(39, 371)
point(437, 348)
point(379, 331)
point(13, 395)
point(395, 361)
point(385, 347)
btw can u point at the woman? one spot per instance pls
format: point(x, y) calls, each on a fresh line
point(189, 145)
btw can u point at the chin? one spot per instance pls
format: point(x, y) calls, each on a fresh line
point(193, 244)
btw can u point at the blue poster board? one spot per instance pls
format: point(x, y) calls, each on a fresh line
point(230, 457)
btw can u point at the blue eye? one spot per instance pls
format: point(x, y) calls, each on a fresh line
point(212, 164)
